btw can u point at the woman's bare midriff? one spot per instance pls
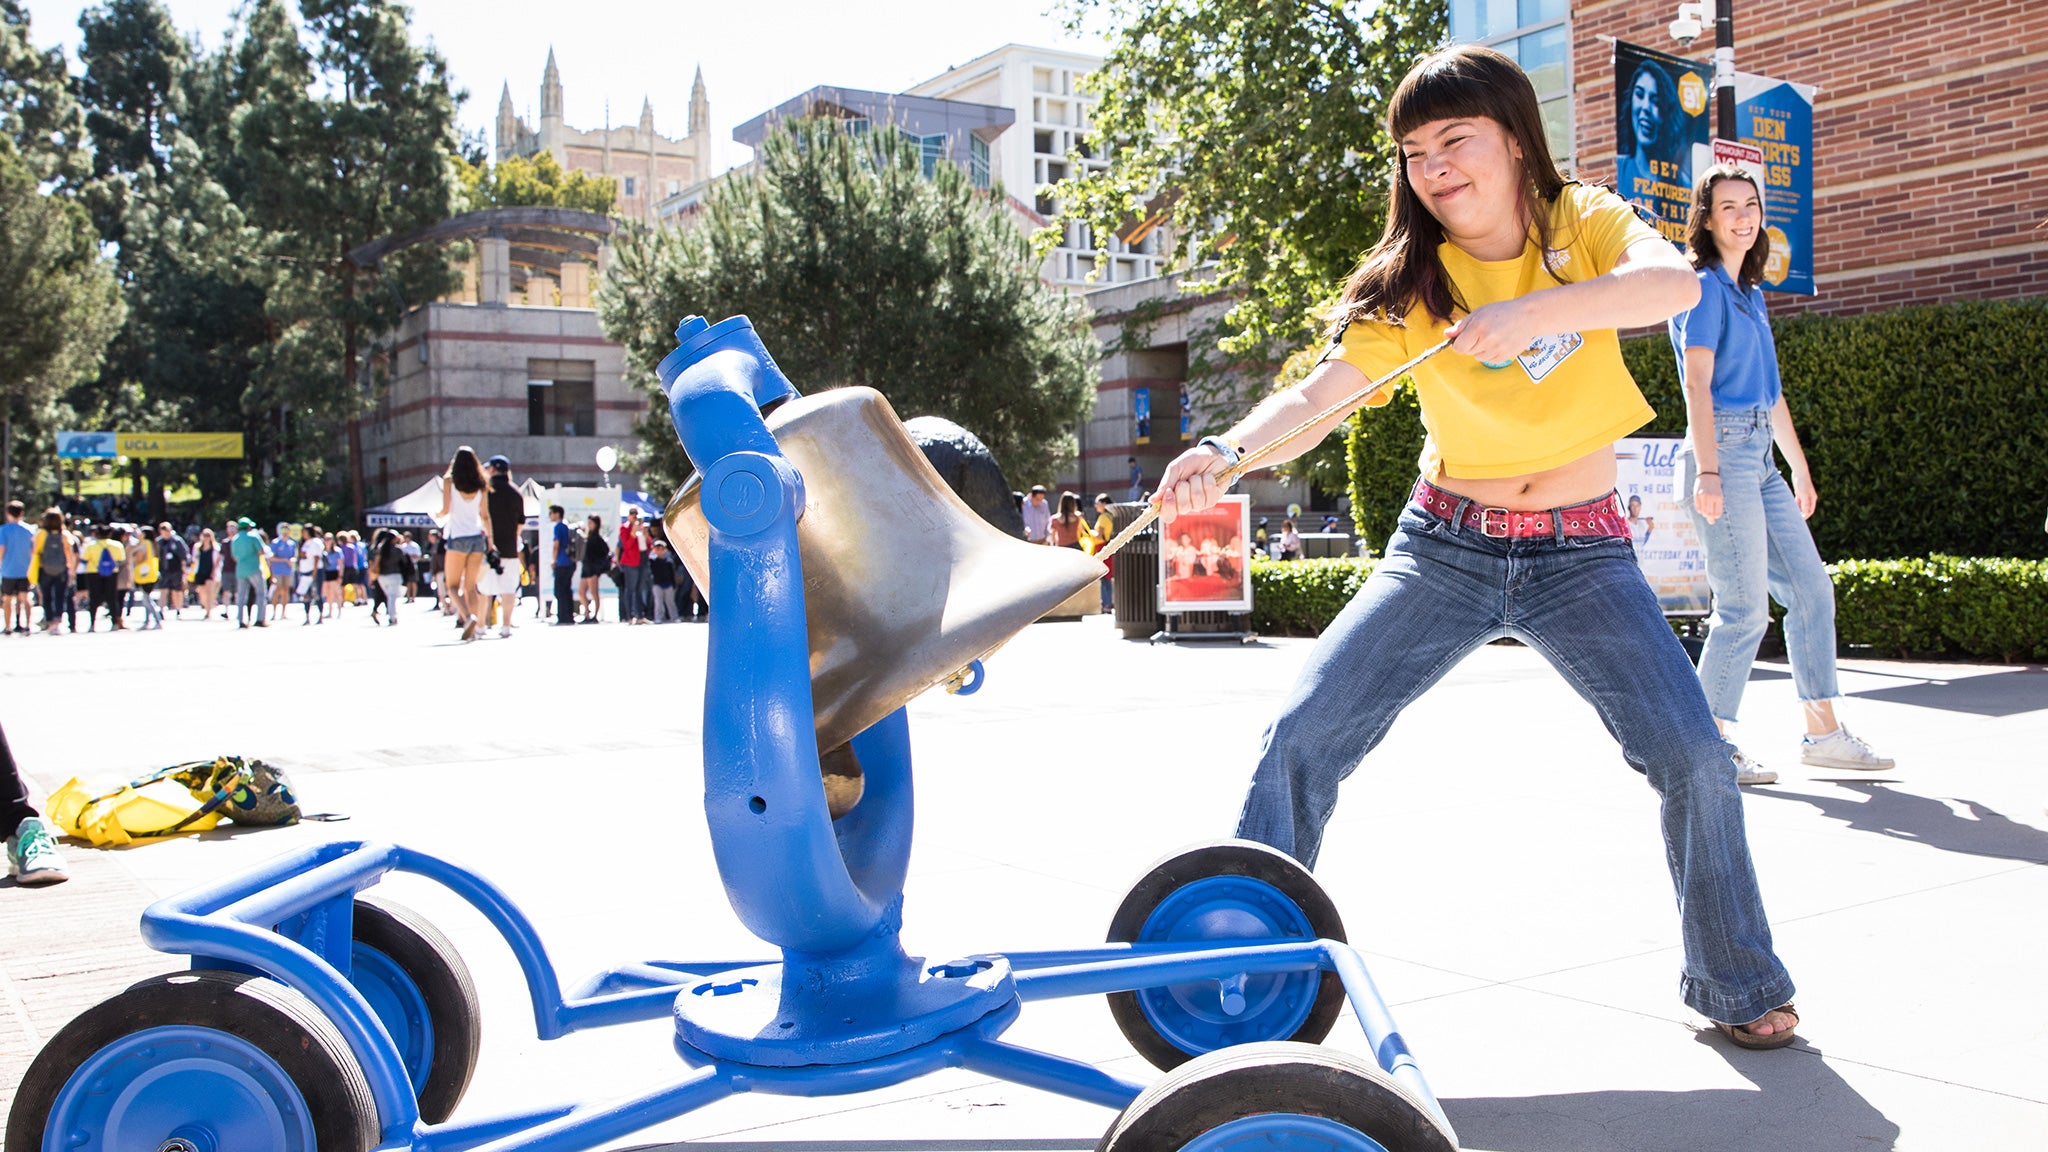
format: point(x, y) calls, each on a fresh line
point(1588, 478)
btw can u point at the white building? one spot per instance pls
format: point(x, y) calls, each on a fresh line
point(1041, 85)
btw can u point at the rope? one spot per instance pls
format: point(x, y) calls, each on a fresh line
point(1254, 459)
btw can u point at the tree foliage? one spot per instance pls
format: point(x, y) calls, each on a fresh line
point(1257, 130)
point(539, 181)
point(858, 270)
point(59, 303)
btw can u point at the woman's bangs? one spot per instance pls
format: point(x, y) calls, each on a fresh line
point(1441, 90)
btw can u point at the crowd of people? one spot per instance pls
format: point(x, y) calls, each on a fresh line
point(475, 568)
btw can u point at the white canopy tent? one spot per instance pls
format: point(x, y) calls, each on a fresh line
point(421, 507)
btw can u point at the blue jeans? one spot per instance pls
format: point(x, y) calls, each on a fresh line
point(251, 591)
point(631, 592)
point(1583, 604)
point(1758, 551)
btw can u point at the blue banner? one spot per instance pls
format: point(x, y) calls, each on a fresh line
point(1776, 116)
point(86, 445)
point(1660, 129)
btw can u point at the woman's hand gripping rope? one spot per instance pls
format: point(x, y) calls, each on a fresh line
point(1193, 491)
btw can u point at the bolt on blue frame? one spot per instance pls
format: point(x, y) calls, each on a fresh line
point(844, 1009)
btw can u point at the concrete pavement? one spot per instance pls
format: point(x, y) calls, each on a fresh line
point(1495, 860)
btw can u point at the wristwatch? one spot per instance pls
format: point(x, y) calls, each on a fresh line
point(1231, 453)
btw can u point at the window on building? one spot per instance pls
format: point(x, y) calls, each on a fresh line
point(931, 149)
point(1537, 35)
point(561, 398)
point(977, 161)
point(1041, 143)
point(629, 187)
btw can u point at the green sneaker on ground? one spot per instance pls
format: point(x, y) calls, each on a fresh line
point(32, 855)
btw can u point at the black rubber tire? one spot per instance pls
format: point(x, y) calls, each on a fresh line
point(275, 1018)
point(1279, 1077)
point(1200, 862)
point(427, 956)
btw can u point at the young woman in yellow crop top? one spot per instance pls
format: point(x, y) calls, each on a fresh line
point(1514, 528)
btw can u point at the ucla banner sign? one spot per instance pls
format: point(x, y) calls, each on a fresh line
point(1776, 118)
point(150, 445)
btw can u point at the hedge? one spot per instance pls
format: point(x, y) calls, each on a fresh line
point(1943, 606)
point(1926, 428)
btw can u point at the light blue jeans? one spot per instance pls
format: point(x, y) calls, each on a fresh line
point(1583, 604)
point(1758, 551)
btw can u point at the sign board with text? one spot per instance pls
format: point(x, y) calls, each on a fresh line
point(1667, 547)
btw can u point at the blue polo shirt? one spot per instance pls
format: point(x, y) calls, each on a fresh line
point(565, 546)
point(20, 542)
point(282, 552)
point(1735, 325)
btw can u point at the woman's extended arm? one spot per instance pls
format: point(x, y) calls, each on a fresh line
point(1650, 284)
point(1787, 438)
point(445, 498)
point(1699, 428)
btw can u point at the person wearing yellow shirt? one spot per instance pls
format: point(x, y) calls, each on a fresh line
point(145, 569)
point(1514, 528)
point(1105, 531)
point(103, 559)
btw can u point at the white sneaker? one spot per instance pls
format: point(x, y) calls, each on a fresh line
point(1842, 749)
point(32, 855)
point(505, 631)
point(1748, 771)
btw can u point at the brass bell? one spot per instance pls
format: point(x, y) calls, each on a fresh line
point(903, 584)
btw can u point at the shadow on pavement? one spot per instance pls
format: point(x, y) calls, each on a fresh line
point(1901, 815)
point(2005, 693)
point(1799, 1102)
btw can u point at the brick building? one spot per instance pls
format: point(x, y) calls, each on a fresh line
point(1930, 174)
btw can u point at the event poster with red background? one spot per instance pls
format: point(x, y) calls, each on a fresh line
point(1205, 559)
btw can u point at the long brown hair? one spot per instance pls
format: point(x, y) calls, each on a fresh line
point(1699, 243)
point(464, 471)
point(1403, 269)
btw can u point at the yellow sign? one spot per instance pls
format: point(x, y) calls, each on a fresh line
point(1779, 262)
point(1692, 93)
point(180, 445)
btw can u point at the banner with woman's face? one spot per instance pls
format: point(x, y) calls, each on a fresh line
point(1660, 116)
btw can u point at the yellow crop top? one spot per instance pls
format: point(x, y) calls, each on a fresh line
point(1566, 396)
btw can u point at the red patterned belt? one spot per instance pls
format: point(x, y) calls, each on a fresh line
point(1602, 517)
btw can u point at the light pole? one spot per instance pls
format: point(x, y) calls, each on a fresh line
point(1686, 28)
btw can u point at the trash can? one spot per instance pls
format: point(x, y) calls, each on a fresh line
point(1135, 587)
point(1316, 545)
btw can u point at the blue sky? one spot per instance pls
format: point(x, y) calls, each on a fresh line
point(754, 56)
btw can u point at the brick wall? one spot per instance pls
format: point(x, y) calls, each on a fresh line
point(1930, 159)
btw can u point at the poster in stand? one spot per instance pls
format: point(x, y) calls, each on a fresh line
point(1205, 559)
point(1661, 529)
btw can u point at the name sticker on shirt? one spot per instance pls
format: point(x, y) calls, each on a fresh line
point(1548, 352)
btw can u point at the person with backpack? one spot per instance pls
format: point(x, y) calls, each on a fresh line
point(563, 556)
point(103, 559)
point(51, 563)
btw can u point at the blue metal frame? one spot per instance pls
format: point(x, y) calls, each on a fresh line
point(845, 1009)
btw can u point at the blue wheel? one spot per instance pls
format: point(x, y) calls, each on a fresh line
point(1277, 1097)
point(422, 992)
point(1230, 890)
point(195, 1062)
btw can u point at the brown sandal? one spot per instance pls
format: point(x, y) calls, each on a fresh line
point(1744, 1038)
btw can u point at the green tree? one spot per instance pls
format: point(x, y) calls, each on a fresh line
point(857, 270)
point(59, 303)
point(538, 182)
point(362, 150)
point(1256, 131)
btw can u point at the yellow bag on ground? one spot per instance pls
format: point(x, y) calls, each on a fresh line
point(131, 813)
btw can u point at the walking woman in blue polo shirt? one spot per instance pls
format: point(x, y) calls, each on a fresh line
point(1752, 523)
